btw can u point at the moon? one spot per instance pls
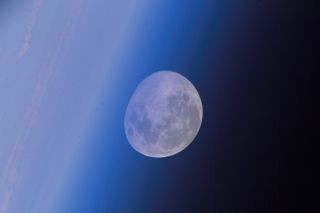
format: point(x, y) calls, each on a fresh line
point(164, 115)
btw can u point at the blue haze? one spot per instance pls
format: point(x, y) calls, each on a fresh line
point(67, 71)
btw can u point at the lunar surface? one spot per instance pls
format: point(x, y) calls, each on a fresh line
point(164, 115)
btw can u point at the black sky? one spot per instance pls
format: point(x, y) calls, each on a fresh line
point(258, 150)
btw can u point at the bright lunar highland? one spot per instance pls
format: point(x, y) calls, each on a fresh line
point(164, 115)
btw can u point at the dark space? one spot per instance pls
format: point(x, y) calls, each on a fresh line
point(258, 150)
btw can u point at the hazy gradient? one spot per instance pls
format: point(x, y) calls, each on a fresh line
point(57, 58)
point(67, 69)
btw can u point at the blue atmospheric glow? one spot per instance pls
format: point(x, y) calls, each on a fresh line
point(67, 71)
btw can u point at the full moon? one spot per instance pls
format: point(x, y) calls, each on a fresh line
point(164, 115)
